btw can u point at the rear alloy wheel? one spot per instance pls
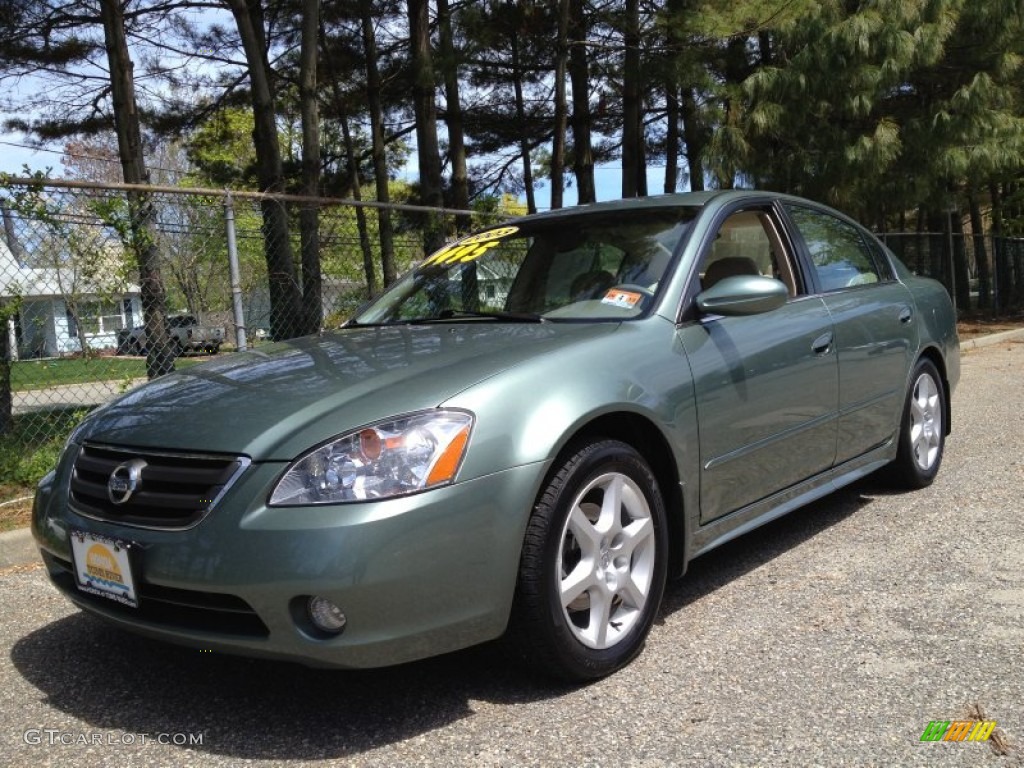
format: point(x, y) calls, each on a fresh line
point(593, 567)
point(923, 431)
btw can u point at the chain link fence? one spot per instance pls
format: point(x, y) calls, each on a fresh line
point(238, 270)
point(983, 274)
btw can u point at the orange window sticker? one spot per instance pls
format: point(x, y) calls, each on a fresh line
point(622, 299)
point(469, 248)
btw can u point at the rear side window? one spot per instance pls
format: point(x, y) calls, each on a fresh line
point(840, 255)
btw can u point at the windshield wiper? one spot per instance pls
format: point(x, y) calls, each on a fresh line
point(461, 314)
point(447, 315)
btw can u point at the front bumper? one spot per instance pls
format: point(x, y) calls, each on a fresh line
point(416, 576)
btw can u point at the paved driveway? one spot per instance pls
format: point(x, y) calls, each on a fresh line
point(831, 637)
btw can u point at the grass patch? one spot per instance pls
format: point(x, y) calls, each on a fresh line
point(40, 374)
point(16, 513)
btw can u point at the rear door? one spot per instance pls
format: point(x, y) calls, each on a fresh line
point(875, 328)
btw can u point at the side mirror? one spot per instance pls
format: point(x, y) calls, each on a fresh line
point(743, 295)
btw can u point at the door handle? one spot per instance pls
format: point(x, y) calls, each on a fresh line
point(906, 314)
point(823, 344)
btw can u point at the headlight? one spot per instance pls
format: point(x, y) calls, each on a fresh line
point(390, 458)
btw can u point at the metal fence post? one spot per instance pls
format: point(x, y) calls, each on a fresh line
point(236, 280)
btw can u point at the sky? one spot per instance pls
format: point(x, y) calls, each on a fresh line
point(14, 155)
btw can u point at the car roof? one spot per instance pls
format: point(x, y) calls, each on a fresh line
point(695, 199)
point(679, 199)
point(717, 198)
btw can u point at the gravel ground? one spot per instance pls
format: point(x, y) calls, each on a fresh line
point(831, 637)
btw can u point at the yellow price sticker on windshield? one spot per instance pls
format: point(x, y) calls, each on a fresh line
point(469, 248)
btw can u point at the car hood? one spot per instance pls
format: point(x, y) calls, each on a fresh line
point(278, 401)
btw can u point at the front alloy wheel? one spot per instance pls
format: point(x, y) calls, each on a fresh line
point(593, 566)
point(606, 560)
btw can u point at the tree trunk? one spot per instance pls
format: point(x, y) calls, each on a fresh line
point(561, 109)
point(671, 136)
point(159, 355)
point(632, 128)
point(453, 117)
point(286, 312)
point(961, 274)
point(309, 216)
point(364, 232)
point(998, 248)
point(425, 110)
point(938, 249)
point(352, 163)
point(75, 316)
point(187, 278)
point(524, 143)
point(579, 73)
point(694, 136)
point(385, 231)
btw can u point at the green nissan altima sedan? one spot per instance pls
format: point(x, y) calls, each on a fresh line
point(523, 437)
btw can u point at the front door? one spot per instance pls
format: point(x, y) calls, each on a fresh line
point(767, 385)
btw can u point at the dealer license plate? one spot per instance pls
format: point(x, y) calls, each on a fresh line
point(103, 567)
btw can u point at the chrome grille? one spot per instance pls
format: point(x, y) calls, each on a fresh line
point(174, 490)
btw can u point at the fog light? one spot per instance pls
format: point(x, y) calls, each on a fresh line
point(325, 615)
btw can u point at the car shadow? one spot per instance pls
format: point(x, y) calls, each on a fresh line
point(732, 560)
point(257, 709)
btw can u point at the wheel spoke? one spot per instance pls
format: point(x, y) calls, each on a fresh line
point(600, 614)
point(635, 535)
point(582, 579)
point(587, 536)
point(634, 595)
point(611, 507)
point(917, 410)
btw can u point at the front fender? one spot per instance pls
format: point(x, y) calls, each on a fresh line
point(528, 414)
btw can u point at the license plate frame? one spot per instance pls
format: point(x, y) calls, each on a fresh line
point(105, 566)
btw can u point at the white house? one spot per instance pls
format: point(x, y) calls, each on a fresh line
point(53, 301)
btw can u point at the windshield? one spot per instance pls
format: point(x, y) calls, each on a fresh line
point(598, 266)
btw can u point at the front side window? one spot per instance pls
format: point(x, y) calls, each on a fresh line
point(841, 256)
point(605, 266)
point(748, 243)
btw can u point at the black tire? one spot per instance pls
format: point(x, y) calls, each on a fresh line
point(569, 642)
point(922, 437)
